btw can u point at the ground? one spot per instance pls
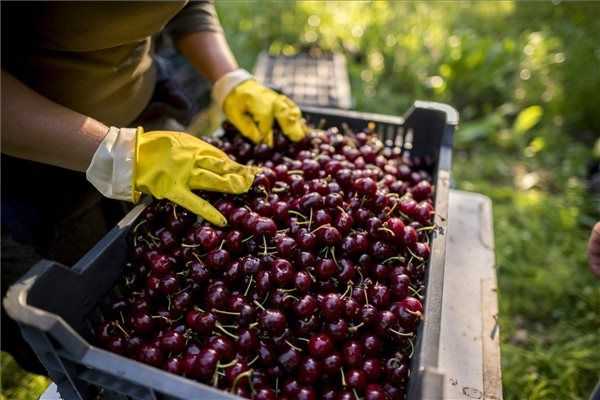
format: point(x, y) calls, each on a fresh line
point(524, 79)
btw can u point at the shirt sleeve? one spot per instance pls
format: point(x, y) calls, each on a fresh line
point(196, 16)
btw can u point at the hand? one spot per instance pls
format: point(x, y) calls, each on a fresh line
point(253, 108)
point(594, 250)
point(166, 165)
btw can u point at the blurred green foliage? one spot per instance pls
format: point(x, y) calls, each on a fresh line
point(525, 79)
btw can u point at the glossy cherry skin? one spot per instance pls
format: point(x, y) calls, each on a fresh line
point(282, 272)
point(373, 369)
point(353, 353)
point(306, 306)
point(309, 370)
point(150, 354)
point(320, 346)
point(356, 379)
point(331, 306)
point(273, 321)
point(172, 342)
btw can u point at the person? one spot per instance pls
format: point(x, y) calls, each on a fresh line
point(78, 82)
point(593, 250)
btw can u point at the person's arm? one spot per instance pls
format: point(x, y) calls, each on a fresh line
point(35, 128)
point(594, 250)
point(209, 53)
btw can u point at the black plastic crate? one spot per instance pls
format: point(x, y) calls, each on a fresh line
point(52, 303)
point(310, 78)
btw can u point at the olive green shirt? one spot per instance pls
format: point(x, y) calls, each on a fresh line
point(95, 57)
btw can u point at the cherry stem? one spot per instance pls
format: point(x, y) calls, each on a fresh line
point(310, 218)
point(295, 172)
point(290, 296)
point(265, 244)
point(253, 325)
point(240, 377)
point(348, 288)
point(320, 227)
point(121, 329)
point(355, 327)
point(249, 285)
point(341, 210)
point(199, 309)
point(414, 255)
point(303, 339)
point(412, 348)
point(225, 331)
point(355, 394)
point(366, 297)
point(252, 361)
point(135, 228)
point(343, 377)
point(222, 244)
point(332, 250)
point(427, 228)
point(388, 230)
point(225, 312)
point(396, 258)
point(362, 278)
point(248, 238)
point(229, 364)
point(259, 305)
point(288, 290)
point(392, 209)
point(191, 246)
point(299, 214)
point(415, 292)
point(400, 333)
point(416, 313)
point(292, 346)
point(153, 237)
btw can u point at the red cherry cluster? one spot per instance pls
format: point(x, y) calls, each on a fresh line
point(314, 289)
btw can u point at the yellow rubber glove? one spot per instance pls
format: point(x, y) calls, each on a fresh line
point(253, 108)
point(166, 165)
point(172, 164)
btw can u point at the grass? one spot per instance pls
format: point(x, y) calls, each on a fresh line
point(524, 79)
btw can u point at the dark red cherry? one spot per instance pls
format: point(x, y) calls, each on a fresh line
point(331, 306)
point(332, 364)
point(320, 346)
point(282, 272)
point(306, 306)
point(174, 365)
point(273, 321)
point(356, 379)
point(217, 259)
point(373, 369)
point(150, 354)
point(309, 370)
point(353, 353)
point(372, 345)
point(172, 342)
point(302, 281)
point(326, 268)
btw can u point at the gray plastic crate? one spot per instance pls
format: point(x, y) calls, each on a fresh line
point(52, 303)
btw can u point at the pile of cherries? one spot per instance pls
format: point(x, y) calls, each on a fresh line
point(314, 289)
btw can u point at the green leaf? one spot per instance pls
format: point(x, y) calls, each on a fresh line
point(527, 119)
point(478, 129)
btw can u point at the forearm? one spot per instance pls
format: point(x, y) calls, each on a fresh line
point(35, 128)
point(209, 53)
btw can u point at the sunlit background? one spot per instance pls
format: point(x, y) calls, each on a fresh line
point(525, 78)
